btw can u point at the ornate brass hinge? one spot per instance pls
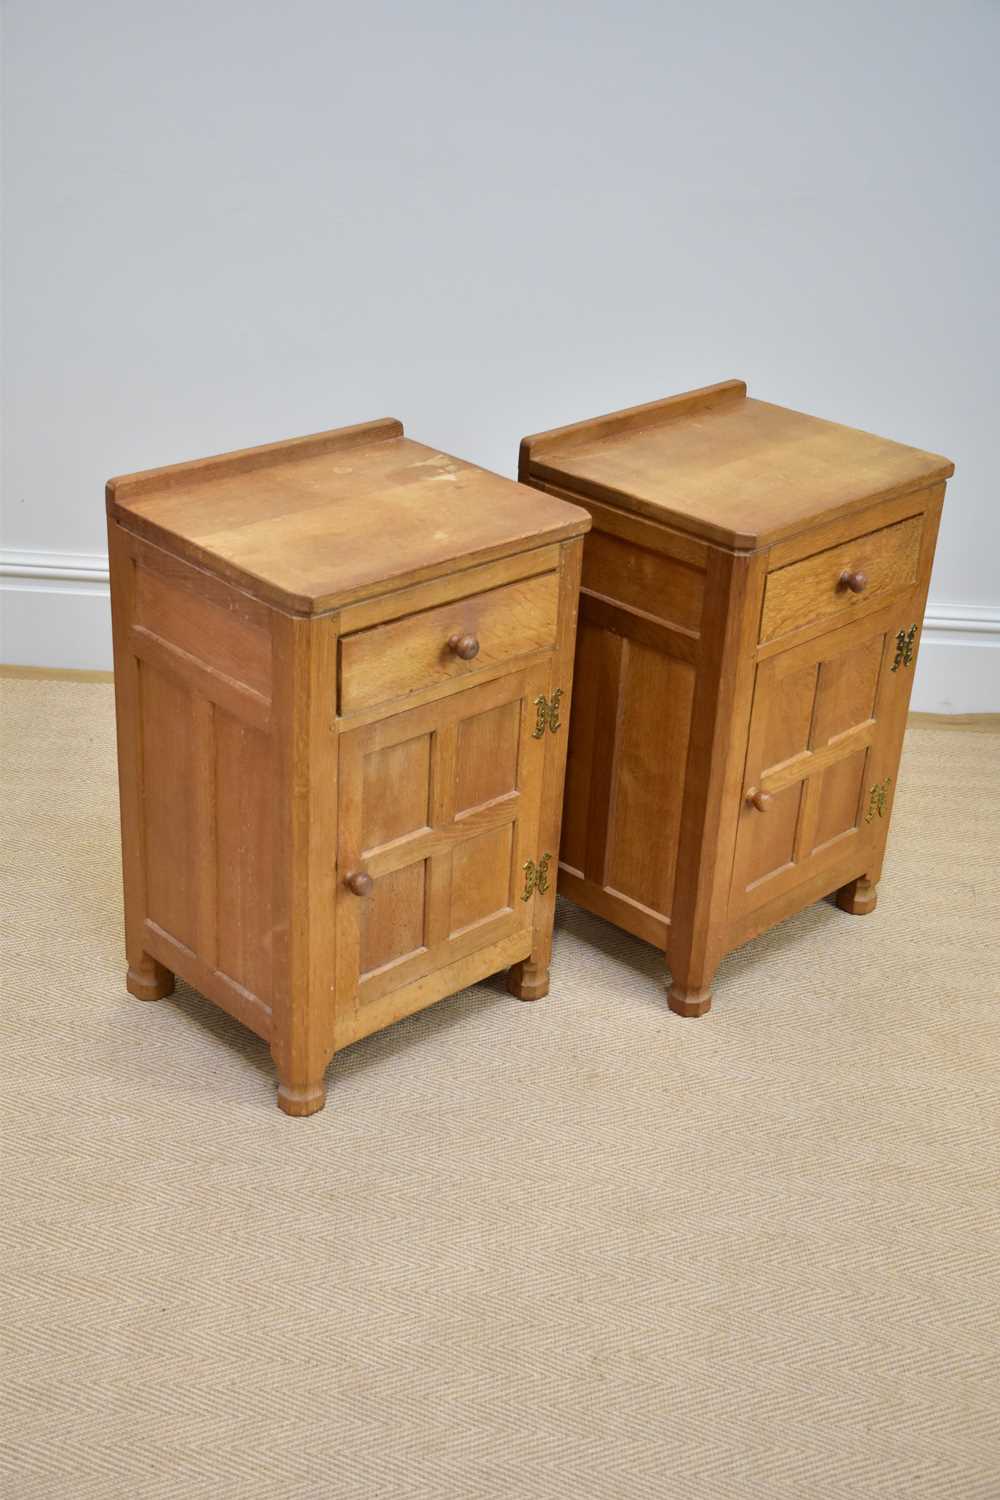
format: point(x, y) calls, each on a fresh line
point(904, 648)
point(878, 800)
point(536, 877)
point(547, 714)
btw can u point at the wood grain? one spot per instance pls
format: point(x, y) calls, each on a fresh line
point(726, 739)
point(294, 524)
point(734, 471)
point(318, 875)
point(391, 661)
point(813, 591)
point(647, 580)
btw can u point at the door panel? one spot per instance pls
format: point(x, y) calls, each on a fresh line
point(786, 734)
point(439, 807)
point(486, 756)
point(393, 917)
point(772, 848)
point(847, 686)
point(481, 878)
point(825, 723)
point(839, 800)
point(406, 769)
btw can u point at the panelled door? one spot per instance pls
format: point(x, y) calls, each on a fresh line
point(825, 733)
point(439, 811)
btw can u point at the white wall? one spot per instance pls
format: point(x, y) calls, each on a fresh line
point(235, 220)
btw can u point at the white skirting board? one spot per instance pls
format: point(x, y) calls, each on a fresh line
point(55, 612)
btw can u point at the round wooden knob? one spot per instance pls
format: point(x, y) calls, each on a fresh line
point(360, 883)
point(465, 646)
point(759, 799)
point(857, 582)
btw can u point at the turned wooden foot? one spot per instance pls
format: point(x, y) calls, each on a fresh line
point(684, 1001)
point(149, 980)
point(302, 1099)
point(528, 981)
point(858, 897)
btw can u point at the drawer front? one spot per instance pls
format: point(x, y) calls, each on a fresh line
point(815, 590)
point(409, 655)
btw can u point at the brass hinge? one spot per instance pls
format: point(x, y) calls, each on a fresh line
point(904, 648)
point(536, 877)
point(547, 714)
point(878, 800)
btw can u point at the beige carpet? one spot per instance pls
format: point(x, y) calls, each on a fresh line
point(577, 1249)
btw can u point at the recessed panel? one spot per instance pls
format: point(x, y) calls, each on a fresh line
point(789, 715)
point(220, 632)
point(486, 756)
point(595, 685)
point(846, 693)
point(480, 883)
point(396, 791)
point(643, 829)
point(658, 585)
point(168, 776)
point(840, 798)
point(392, 918)
point(767, 839)
point(243, 796)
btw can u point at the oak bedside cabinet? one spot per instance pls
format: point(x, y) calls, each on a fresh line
point(343, 669)
point(753, 591)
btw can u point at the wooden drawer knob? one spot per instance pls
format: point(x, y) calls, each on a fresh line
point(465, 646)
point(857, 582)
point(759, 799)
point(360, 883)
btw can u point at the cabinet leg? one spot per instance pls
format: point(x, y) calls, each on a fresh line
point(858, 897)
point(690, 994)
point(528, 980)
point(148, 979)
point(301, 1096)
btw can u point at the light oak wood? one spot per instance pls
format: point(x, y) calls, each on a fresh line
point(753, 589)
point(464, 583)
point(457, 639)
point(293, 524)
point(734, 471)
point(339, 764)
point(835, 586)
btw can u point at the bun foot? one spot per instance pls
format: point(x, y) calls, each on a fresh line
point(684, 1002)
point(859, 897)
point(301, 1102)
point(528, 981)
point(149, 980)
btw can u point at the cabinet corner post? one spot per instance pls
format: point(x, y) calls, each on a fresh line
point(716, 751)
point(304, 795)
point(529, 980)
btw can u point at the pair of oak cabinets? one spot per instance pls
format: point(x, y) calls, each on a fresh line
point(344, 671)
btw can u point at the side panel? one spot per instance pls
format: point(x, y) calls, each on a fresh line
point(633, 695)
point(192, 668)
point(244, 813)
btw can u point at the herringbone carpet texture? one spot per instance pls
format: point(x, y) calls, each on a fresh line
point(571, 1250)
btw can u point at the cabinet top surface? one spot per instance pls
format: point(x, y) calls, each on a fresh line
point(317, 522)
point(735, 471)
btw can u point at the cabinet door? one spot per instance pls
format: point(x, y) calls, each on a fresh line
point(439, 808)
point(825, 734)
